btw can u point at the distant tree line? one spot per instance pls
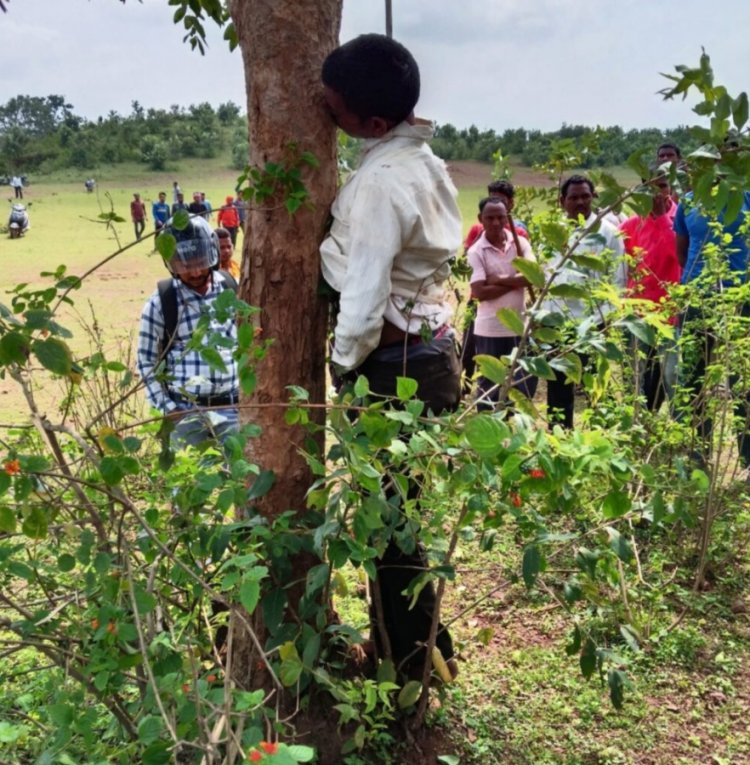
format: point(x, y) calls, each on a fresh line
point(41, 134)
point(613, 145)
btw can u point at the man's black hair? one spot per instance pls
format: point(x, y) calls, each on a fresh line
point(501, 187)
point(375, 76)
point(575, 180)
point(489, 200)
point(222, 233)
point(669, 145)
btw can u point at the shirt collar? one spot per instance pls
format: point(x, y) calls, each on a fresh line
point(421, 131)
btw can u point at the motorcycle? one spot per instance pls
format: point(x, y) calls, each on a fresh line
point(18, 223)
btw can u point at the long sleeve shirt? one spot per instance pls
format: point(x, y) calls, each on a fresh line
point(605, 243)
point(185, 371)
point(396, 227)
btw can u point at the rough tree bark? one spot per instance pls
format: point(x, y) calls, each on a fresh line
point(283, 45)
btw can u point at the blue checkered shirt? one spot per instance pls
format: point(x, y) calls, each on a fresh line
point(185, 373)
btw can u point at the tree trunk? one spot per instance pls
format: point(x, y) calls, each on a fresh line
point(283, 46)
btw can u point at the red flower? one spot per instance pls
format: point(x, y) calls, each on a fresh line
point(12, 467)
point(255, 756)
point(537, 473)
point(211, 678)
point(516, 500)
point(269, 747)
point(95, 624)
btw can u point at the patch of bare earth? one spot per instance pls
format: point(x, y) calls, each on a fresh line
point(469, 174)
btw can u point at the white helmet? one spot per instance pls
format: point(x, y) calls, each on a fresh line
point(197, 246)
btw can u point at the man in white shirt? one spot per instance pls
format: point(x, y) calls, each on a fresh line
point(496, 284)
point(396, 227)
point(576, 199)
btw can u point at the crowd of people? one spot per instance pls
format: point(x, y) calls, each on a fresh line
point(395, 230)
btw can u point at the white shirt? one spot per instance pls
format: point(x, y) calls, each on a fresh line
point(396, 227)
point(605, 244)
point(487, 260)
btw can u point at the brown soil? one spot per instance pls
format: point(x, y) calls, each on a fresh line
point(467, 174)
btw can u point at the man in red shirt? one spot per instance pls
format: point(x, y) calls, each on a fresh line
point(138, 215)
point(229, 219)
point(650, 242)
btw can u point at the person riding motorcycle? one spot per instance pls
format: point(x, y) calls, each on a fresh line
point(18, 223)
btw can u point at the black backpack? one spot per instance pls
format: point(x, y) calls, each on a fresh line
point(168, 297)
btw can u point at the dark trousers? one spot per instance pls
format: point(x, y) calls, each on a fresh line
point(436, 368)
point(139, 226)
point(698, 342)
point(232, 234)
point(19, 192)
point(502, 346)
point(561, 398)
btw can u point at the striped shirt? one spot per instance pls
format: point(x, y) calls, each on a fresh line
point(185, 372)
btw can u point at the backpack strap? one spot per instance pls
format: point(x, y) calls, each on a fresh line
point(168, 298)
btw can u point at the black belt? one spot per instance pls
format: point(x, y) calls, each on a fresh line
point(221, 399)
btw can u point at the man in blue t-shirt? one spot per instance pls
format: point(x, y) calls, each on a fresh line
point(694, 231)
point(160, 211)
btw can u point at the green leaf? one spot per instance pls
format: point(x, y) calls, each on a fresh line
point(620, 545)
point(261, 485)
point(34, 463)
point(555, 234)
point(740, 111)
point(35, 524)
point(570, 365)
point(289, 671)
point(111, 471)
point(7, 520)
point(37, 318)
point(149, 729)
point(616, 680)
point(493, 368)
point(448, 759)
point(386, 671)
point(575, 644)
point(512, 320)
point(532, 561)
point(572, 291)
point(531, 270)
point(181, 219)
point(301, 753)
point(616, 504)
point(587, 659)
point(486, 434)
point(406, 387)
point(62, 715)
point(14, 348)
point(156, 754)
point(53, 354)
point(249, 594)
point(317, 578)
point(409, 694)
point(213, 358)
point(361, 387)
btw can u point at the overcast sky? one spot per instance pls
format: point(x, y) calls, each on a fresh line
point(493, 63)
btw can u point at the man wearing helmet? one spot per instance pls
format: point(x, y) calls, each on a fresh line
point(180, 383)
